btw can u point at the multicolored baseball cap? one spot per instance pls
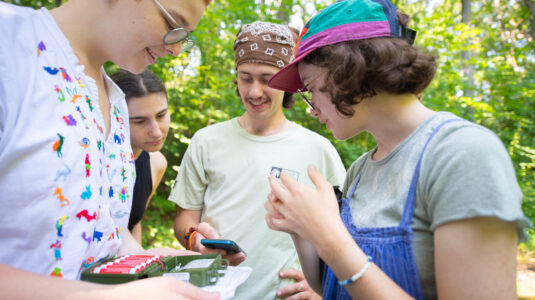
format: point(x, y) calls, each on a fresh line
point(342, 21)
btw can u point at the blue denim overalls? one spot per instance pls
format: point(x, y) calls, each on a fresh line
point(390, 247)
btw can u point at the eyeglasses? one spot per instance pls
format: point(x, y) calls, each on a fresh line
point(305, 98)
point(177, 35)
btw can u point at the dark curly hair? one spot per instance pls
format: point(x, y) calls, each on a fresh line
point(360, 69)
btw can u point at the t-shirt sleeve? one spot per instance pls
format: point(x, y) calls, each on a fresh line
point(468, 173)
point(335, 171)
point(191, 181)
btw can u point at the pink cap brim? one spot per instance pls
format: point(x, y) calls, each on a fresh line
point(288, 79)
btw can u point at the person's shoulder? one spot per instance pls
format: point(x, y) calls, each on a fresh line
point(157, 159)
point(15, 16)
point(158, 162)
point(310, 135)
point(357, 164)
point(19, 28)
point(210, 130)
point(464, 135)
point(9, 11)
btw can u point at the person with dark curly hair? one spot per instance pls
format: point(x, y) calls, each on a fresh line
point(433, 211)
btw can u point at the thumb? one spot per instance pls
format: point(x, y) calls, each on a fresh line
point(207, 231)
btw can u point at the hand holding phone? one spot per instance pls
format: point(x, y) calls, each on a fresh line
point(230, 246)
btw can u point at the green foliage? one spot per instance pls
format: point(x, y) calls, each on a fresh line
point(499, 94)
point(36, 4)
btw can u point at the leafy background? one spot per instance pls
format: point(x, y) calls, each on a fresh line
point(486, 74)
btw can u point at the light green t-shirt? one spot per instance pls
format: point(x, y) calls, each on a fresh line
point(465, 173)
point(224, 173)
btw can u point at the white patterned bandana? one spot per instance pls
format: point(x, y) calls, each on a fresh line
point(265, 43)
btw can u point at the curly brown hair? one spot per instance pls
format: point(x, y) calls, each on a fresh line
point(360, 69)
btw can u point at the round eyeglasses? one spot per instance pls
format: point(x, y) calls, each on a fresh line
point(306, 96)
point(178, 35)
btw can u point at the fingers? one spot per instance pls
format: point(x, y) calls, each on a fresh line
point(160, 288)
point(292, 273)
point(271, 209)
point(288, 181)
point(278, 192)
point(299, 290)
point(207, 231)
point(280, 225)
point(192, 292)
point(317, 179)
point(236, 258)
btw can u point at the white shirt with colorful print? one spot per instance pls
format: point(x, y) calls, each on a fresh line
point(65, 188)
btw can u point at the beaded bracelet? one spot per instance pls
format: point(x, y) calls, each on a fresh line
point(359, 274)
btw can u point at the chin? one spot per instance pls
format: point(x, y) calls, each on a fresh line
point(152, 148)
point(341, 136)
point(135, 67)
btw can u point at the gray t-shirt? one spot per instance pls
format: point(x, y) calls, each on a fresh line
point(466, 172)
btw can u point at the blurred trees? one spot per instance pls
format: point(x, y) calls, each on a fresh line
point(498, 92)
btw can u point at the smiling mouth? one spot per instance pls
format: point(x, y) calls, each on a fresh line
point(152, 53)
point(257, 102)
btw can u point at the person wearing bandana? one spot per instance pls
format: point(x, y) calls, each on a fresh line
point(222, 183)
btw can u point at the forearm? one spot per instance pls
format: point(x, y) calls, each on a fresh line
point(18, 284)
point(338, 250)
point(309, 260)
point(184, 220)
point(129, 245)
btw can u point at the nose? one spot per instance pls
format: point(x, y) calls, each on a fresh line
point(154, 130)
point(257, 89)
point(173, 49)
point(315, 112)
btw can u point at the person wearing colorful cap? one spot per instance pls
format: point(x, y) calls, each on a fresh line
point(433, 211)
point(221, 186)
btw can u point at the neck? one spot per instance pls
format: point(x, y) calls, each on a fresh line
point(77, 16)
point(137, 152)
point(395, 117)
point(262, 127)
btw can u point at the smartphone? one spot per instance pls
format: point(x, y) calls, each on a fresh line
point(230, 246)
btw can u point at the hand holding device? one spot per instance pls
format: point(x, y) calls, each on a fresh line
point(230, 246)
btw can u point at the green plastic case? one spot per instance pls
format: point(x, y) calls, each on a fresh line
point(200, 270)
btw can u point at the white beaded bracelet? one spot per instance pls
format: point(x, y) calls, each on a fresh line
point(359, 274)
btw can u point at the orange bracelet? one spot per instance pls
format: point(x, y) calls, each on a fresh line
point(190, 237)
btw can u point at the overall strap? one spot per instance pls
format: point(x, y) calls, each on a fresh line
point(354, 188)
point(411, 196)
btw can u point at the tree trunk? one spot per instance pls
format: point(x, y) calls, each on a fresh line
point(284, 11)
point(531, 5)
point(468, 70)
